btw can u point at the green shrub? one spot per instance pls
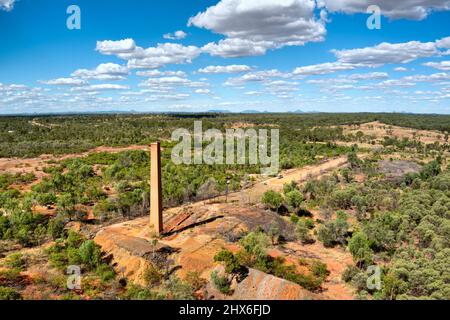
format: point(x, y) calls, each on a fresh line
point(294, 218)
point(294, 200)
point(360, 249)
point(66, 204)
point(335, 231)
point(347, 175)
point(58, 260)
point(274, 232)
point(194, 280)
point(104, 208)
point(16, 260)
point(288, 187)
point(105, 272)
point(359, 281)
point(255, 244)
point(136, 292)
point(353, 160)
point(152, 276)
point(309, 222)
point(46, 199)
point(74, 240)
point(178, 290)
point(55, 228)
point(9, 294)
point(342, 199)
point(349, 272)
point(24, 226)
point(307, 281)
point(320, 269)
point(303, 231)
point(232, 264)
point(90, 254)
point(11, 275)
point(4, 226)
point(432, 169)
point(273, 200)
point(222, 283)
point(73, 256)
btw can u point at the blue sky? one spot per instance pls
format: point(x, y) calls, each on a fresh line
point(197, 55)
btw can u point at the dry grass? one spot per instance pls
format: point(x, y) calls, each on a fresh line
point(380, 130)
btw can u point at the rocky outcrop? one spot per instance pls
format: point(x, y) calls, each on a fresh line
point(131, 255)
point(261, 286)
point(395, 170)
point(133, 251)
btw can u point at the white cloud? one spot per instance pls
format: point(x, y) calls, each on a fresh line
point(282, 85)
point(233, 48)
point(442, 65)
point(15, 87)
point(163, 54)
point(252, 27)
point(375, 56)
point(116, 47)
point(157, 73)
point(253, 93)
point(132, 93)
point(159, 97)
point(7, 5)
point(323, 68)
point(98, 87)
point(225, 69)
point(394, 9)
point(65, 82)
point(387, 53)
point(166, 81)
point(203, 91)
point(257, 76)
point(419, 92)
point(444, 43)
point(400, 69)
point(105, 71)
point(169, 84)
point(435, 77)
point(264, 75)
point(281, 89)
point(396, 83)
point(178, 35)
point(331, 81)
point(337, 87)
point(369, 76)
point(150, 58)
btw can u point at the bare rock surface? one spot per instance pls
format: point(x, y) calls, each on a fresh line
point(395, 170)
point(261, 286)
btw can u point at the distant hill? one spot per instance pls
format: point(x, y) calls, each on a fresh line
point(250, 111)
point(296, 111)
point(219, 111)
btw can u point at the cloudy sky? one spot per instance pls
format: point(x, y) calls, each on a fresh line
point(199, 55)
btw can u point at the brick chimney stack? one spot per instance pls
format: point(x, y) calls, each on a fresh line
point(156, 218)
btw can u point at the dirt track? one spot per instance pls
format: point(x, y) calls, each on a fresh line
point(254, 193)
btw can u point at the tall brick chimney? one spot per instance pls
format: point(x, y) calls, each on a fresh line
point(156, 218)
